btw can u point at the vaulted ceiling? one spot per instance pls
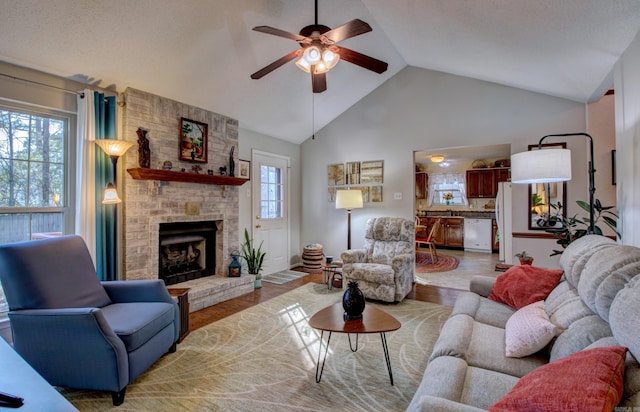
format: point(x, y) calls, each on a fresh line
point(202, 52)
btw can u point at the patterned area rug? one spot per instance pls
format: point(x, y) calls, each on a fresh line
point(264, 358)
point(424, 264)
point(283, 276)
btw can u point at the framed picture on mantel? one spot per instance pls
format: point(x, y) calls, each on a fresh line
point(193, 141)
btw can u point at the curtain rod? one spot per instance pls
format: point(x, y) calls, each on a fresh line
point(80, 93)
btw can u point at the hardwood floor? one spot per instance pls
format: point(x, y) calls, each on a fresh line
point(443, 296)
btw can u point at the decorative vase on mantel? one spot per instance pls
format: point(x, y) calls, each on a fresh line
point(353, 302)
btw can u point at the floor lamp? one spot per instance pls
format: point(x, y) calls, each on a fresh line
point(348, 199)
point(552, 165)
point(114, 149)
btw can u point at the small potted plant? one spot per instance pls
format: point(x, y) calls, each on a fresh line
point(524, 258)
point(448, 197)
point(253, 257)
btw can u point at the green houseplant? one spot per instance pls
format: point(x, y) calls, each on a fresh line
point(574, 227)
point(524, 258)
point(253, 257)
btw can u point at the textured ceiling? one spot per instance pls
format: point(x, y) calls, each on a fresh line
point(202, 52)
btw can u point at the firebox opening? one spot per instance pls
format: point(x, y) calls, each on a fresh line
point(187, 251)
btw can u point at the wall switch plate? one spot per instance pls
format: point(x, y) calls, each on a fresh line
point(397, 195)
point(192, 208)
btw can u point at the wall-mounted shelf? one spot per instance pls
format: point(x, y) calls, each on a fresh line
point(140, 173)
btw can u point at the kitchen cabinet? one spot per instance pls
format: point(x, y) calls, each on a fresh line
point(422, 181)
point(483, 183)
point(451, 232)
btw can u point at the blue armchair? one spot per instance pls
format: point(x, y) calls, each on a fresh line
point(79, 332)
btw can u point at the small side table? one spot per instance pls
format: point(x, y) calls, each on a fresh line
point(332, 274)
point(182, 296)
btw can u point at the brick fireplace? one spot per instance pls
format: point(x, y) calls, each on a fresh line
point(148, 203)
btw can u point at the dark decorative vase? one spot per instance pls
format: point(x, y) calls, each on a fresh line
point(353, 302)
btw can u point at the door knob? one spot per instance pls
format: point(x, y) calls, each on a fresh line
point(258, 226)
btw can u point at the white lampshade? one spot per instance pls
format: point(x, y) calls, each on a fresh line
point(348, 199)
point(113, 147)
point(541, 166)
point(110, 195)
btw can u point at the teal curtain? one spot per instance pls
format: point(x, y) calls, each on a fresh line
point(106, 246)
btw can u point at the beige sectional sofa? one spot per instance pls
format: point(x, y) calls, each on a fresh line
point(596, 304)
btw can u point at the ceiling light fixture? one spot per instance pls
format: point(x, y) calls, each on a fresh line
point(322, 57)
point(437, 158)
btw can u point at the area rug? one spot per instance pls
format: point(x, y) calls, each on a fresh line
point(444, 263)
point(283, 276)
point(264, 359)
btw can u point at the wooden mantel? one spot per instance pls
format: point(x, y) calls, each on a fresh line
point(140, 173)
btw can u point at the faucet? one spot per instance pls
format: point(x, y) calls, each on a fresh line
point(450, 212)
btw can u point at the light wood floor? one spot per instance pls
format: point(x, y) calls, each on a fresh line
point(425, 293)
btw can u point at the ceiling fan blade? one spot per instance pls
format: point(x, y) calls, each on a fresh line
point(362, 60)
point(318, 81)
point(349, 29)
point(278, 32)
point(284, 59)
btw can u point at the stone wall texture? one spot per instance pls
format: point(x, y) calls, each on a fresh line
point(146, 204)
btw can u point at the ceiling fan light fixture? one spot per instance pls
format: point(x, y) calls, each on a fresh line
point(437, 158)
point(312, 55)
point(303, 65)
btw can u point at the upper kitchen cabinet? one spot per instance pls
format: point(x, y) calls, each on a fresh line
point(422, 181)
point(483, 183)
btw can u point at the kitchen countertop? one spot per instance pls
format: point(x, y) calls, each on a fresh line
point(462, 213)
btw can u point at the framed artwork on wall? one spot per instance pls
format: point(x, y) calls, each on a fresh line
point(376, 194)
point(244, 169)
point(371, 172)
point(193, 141)
point(353, 173)
point(335, 174)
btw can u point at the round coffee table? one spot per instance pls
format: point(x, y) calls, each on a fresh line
point(374, 320)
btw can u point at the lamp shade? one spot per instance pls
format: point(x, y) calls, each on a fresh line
point(541, 166)
point(348, 199)
point(114, 147)
point(110, 195)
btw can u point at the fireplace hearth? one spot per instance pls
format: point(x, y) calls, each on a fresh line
point(186, 251)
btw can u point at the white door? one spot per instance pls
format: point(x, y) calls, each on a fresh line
point(270, 221)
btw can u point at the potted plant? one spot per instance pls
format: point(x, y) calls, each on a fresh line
point(253, 257)
point(524, 258)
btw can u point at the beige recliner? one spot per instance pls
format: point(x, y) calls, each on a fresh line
point(384, 268)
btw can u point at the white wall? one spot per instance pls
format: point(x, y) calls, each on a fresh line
point(627, 108)
point(420, 110)
point(249, 140)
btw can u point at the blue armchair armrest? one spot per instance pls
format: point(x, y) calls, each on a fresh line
point(66, 346)
point(124, 291)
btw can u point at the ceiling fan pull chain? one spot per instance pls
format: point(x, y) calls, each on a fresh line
point(313, 114)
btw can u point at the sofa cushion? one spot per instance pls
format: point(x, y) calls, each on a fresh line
point(589, 380)
point(482, 309)
point(150, 318)
point(578, 336)
point(576, 255)
point(605, 273)
point(564, 306)
point(522, 285)
point(624, 316)
point(528, 331)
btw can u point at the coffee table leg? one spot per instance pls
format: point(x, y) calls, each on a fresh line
point(385, 348)
point(318, 369)
point(351, 346)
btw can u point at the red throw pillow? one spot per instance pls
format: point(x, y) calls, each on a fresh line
point(522, 285)
point(589, 380)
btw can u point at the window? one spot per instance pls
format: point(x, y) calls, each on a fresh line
point(448, 189)
point(34, 188)
point(271, 192)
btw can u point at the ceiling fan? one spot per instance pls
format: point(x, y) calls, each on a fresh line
point(319, 53)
